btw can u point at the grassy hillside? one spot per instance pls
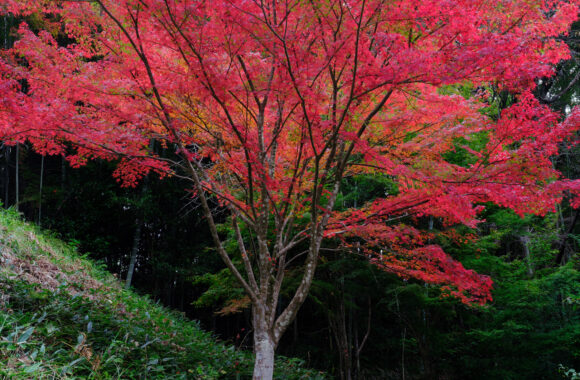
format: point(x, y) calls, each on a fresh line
point(62, 316)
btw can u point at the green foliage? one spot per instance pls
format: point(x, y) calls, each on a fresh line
point(359, 189)
point(63, 317)
point(533, 324)
point(569, 373)
point(460, 155)
point(465, 89)
point(222, 290)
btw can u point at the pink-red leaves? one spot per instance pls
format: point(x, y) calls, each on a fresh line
point(273, 102)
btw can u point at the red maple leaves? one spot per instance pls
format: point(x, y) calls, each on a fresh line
point(287, 98)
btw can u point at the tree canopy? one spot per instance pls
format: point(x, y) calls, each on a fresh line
point(269, 105)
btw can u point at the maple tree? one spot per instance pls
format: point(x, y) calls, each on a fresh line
point(270, 104)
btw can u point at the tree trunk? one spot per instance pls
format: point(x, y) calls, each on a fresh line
point(403, 353)
point(137, 236)
point(63, 165)
point(562, 257)
point(40, 191)
point(338, 325)
point(525, 240)
point(134, 251)
point(7, 152)
point(17, 184)
point(264, 350)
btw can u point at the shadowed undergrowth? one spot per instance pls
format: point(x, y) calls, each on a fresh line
point(63, 316)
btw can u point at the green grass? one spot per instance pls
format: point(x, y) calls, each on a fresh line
point(64, 317)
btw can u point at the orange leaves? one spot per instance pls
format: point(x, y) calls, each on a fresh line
point(234, 306)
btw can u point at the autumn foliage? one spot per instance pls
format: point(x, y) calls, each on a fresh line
point(270, 104)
